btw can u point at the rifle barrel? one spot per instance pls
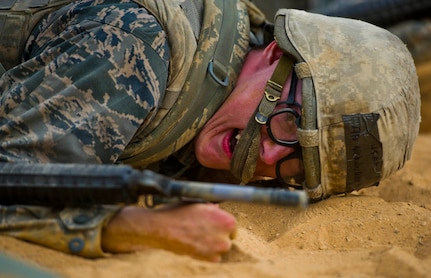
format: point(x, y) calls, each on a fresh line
point(216, 192)
point(222, 192)
point(84, 184)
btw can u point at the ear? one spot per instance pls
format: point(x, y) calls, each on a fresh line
point(272, 52)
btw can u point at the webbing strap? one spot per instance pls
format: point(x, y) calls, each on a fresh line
point(204, 89)
point(194, 12)
point(202, 85)
point(218, 68)
point(244, 159)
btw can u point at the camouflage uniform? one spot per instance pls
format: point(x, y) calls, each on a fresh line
point(67, 117)
point(94, 76)
point(81, 121)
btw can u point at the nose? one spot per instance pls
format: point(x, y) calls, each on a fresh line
point(271, 152)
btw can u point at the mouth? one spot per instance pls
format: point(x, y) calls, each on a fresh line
point(230, 142)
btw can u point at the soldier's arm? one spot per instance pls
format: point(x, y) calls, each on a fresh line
point(84, 90)
point(76, 231)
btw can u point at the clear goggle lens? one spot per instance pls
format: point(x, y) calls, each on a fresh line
point(282, 125)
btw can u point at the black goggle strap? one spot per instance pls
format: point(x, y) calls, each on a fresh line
point(292, 92)
point(292, 95)
point(244, 158)
point(296, 154)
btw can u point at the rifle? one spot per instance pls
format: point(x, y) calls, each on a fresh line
point(91, 184)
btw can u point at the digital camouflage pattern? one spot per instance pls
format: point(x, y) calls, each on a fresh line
point(145, 147)
point(53, 110)
point(200, 95)
point(416, 34)
point(17, 19)
point(361, 100)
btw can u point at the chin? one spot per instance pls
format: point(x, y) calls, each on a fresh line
point(202, 155)
point(209, 160)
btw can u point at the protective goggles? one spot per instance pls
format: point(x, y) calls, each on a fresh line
point(282, 119)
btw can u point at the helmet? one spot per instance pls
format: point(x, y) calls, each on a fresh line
point(360, 100)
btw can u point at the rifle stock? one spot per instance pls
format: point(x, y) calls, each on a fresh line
point(84, 184)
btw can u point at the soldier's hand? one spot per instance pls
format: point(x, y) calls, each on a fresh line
point(203, 231)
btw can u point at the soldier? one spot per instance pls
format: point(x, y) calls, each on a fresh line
point(332, 106)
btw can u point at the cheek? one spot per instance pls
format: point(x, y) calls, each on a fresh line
point(244, 99)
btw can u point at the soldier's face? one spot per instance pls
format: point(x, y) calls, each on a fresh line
point(215, 143)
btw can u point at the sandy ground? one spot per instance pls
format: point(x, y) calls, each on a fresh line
point(383, 231)
point(378, 232)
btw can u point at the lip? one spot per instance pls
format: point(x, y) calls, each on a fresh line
point(228, 141)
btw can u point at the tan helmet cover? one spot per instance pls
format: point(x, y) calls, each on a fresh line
point(361, 100)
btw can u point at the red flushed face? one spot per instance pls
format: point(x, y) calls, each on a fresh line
point(214, 145)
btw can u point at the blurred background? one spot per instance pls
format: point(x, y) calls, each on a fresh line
point(408, 19)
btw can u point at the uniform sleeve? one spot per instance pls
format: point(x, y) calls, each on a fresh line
point(70, 230)
point(93, 74)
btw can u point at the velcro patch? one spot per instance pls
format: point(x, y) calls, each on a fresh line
point(363, 151)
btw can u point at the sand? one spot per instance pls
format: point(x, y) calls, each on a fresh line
point(383, 231)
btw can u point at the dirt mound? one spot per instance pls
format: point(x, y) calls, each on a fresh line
point(379, 231)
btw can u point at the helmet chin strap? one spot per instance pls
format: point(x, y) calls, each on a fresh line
point(244, 158)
